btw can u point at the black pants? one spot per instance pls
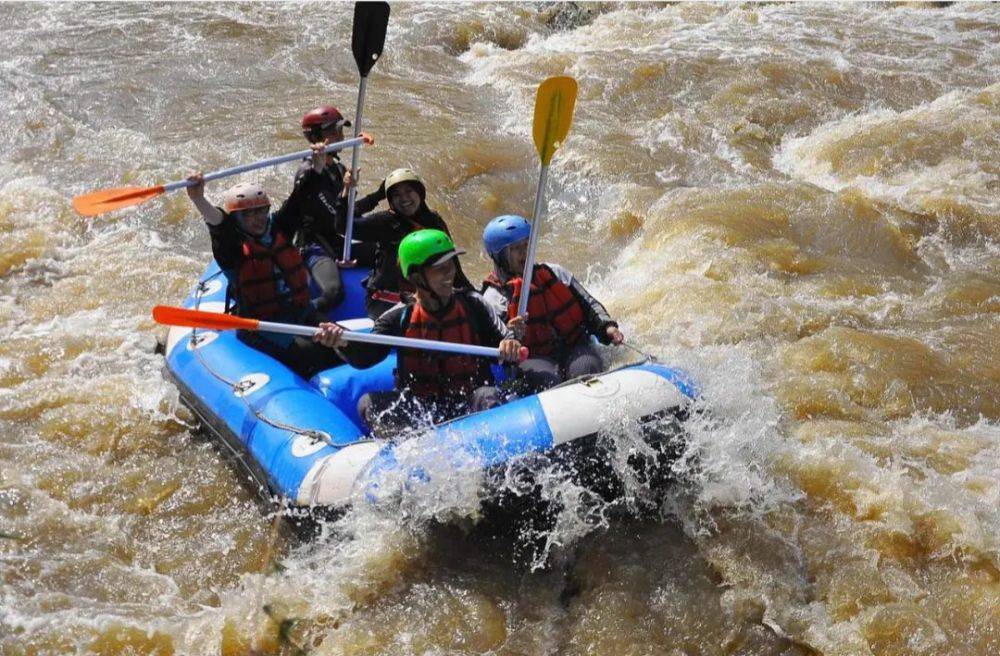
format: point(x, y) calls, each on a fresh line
point(303, 356)
point(541, 373)
point(375, 308)
point(391, 413)
point(324, 270)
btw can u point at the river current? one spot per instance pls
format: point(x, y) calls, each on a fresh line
point(797, 203)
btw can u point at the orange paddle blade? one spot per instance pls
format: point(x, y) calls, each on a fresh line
point(175, 316)
point(99, 202)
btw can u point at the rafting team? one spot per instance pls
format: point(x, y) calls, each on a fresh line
point(416, 288)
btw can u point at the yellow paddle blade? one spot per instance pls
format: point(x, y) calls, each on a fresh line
point(553, 115)
point(99, 202)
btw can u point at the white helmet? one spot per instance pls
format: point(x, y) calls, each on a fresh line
point(405, 175)
point(245, 196)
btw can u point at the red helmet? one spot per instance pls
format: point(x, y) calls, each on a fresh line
point(319, 120)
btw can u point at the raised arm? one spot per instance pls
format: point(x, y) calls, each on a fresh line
point(196, 192)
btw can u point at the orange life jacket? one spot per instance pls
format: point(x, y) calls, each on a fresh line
point(257, 280)
point(555, 316)
point(437, 374)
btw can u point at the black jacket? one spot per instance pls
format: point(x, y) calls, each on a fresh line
point(386, 230)
point(323, 211)
point(227, 240)
point(227, 248)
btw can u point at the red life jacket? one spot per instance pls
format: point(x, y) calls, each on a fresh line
point(555, 316)
point(437, 374)
point(257, 281)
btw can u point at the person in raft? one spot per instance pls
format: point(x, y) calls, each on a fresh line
point(561, 313)
point(323, 206)
point(408, 212)
point(429, 383)
point(266, 273)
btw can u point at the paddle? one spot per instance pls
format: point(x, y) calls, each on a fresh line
point(99, 202)
point(553, 115)
point(175, 316)
point(370, 22)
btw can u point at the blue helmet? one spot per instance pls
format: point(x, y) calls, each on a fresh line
point(503, 231)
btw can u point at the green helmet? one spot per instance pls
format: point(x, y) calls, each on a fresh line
point(425, 248)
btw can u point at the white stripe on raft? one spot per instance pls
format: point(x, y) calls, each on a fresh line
point(581, 409)
point(572, 412)
point(331, 479)
point(176, 334)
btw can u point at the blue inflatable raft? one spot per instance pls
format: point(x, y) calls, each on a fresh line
point(304, 441)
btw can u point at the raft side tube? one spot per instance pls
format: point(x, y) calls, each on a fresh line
point(535, 424)
point(282, 422)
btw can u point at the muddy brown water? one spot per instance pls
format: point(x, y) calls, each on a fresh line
point(799, 203)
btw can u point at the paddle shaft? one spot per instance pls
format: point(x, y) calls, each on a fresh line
point(188, 318)
point(355, 158)
point(384, 340)
point(536, 227)
point(356, 142)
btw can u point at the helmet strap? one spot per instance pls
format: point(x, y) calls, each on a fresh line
point(499, 268)
point(422, 286)
point(504, 257)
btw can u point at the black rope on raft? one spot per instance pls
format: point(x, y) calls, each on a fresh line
point(239, 387)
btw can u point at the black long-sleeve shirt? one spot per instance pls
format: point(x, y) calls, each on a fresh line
point(387, 229)
point(322, 209)
point(227, 248)
point(227, 239)
point(485, 324)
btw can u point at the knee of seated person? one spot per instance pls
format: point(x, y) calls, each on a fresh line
point(586, 365)
point(542, 379)
point(329, 299)
point(484, 398)
point(364, 408)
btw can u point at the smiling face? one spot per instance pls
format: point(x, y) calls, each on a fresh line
point(441, 278)
point(517, 255)
point(404, 198)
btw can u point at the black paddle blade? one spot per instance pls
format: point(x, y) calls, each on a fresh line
point(370, 22)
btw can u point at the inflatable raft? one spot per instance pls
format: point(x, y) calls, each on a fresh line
point(303, 440)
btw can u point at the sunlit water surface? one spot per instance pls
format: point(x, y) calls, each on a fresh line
point(800, 204)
